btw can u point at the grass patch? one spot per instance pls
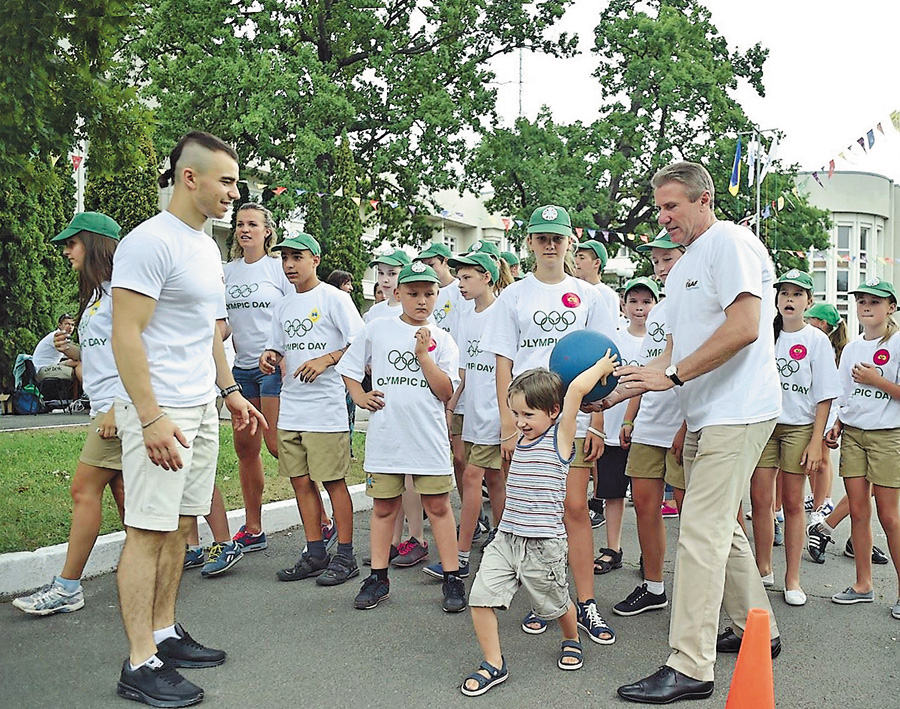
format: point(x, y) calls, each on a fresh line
point(38, 465)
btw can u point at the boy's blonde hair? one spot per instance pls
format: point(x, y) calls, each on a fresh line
point(543, 390)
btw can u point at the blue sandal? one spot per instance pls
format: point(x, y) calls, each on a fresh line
point(530, 619)
point(496, 676)
point(570, 649)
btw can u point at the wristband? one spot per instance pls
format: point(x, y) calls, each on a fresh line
point(593, 430)
point(152, 421)
point(230, 390)
point(511, 435)
point(628, 423)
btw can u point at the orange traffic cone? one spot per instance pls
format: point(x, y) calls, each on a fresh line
point(752, 686)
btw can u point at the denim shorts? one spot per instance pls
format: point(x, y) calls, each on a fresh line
point(255, 384)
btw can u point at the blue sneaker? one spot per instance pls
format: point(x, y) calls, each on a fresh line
point(248, 541)
point(437, 571)
point(221, 558)
point(193, 558)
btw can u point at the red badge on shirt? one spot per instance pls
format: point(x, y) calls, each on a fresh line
point(798, 352)
point(571, 300)
point(432, 346)
point(881, 357)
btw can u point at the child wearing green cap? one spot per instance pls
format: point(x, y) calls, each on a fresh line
point(641, 296)
point(387, 268)
point(415, 369)
point(869, 425)
point(311, 329)
point(808, 385)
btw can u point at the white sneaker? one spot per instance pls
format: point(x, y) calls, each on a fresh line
point(768, 580)
point(51, 599)
point(794, 597)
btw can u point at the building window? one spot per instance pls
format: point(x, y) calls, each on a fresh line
point(450, 242)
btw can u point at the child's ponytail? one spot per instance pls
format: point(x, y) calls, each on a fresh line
point(504, 279)
point(839, 339)
point(891, 330)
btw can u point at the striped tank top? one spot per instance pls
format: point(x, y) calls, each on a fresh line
point(536, 489)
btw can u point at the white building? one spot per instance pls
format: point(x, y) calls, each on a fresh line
point(865, 236)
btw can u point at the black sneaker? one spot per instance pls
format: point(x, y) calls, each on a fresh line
point(160, 686)
point(372, 593)
point(597, 519)
point(878, 556)
point(339, 570)
point(395, 552)
point(490, 538)
point(454, 594)
point(817, 541)
point(306, 567)
point(640, 600)
point(184, 651)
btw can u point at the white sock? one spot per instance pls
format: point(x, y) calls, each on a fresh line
point(164, 633)
point(152, 661)
point(829, 502)
point(657, 587)
point(463, 557)
point(827, 527)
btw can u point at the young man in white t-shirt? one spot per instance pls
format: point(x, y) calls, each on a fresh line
point(168, 289)
point(51, 362)
point(590, 260)
point(310, 331)
point(415, 370)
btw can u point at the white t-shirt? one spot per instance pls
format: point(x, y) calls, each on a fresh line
point(45, 354)
point(530, 316)
point(611, 299)
point(629, 355)
point(382, 310)
point(98, 365)
point(409, 435)
point(724, 262)
point(808, 374)
point(481, 424)
point(659, 417)
point(305, 326)
point(868, 407)
point(181, 269)
point(456, 310)
point(251, 289)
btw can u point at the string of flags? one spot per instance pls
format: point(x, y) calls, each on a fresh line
point(866, 142)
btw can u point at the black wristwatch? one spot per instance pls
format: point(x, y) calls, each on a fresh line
point(230, 390)
point(672, 373)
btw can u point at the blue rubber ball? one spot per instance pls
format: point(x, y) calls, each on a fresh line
point(578, 351)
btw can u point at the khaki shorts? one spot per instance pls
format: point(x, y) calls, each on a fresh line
point(456, 424)
point(874, 455)
point(54, 371)
point(579, 461)
point(324, 457)
point(654, 463)
point(101, 452)
point(538, 565)
point(487, 457)
point(785, 447)
point(386, 486)
point(155, 498)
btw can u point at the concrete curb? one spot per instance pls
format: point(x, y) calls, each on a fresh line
point(23, 571)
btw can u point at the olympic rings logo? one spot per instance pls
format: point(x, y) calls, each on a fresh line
point(439, 315)
point(243, 291)
point(553, 320)
point(786, 367)
point(297, 327)
point(473, 349)
point(657, 332)
point(403, 360)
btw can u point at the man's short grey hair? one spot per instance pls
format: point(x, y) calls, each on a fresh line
point(695, 178)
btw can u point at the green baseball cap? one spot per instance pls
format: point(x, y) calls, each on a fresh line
point(662, 241)
point(598, 249)
point(300, 242)
point(478, 258)
point(94, 222)
point(550, 219)
point(643, 282)
point(510, 258)
point(797, 278)
point(397, 258)
point(877, 286)
point(434, 249)
point(825, 312)
point(484, 247)
point(417, 271)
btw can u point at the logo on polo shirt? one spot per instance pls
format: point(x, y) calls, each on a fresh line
point(570, 300)
point(881, 357)
point(798, 352)
point(691, 283)
point(243, 291)
point(553, 320)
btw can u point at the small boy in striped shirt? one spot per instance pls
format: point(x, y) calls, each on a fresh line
point(530, 547)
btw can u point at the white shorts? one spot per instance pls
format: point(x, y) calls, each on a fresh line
point(155, 498)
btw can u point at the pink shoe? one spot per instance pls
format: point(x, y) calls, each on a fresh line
point(669, 509)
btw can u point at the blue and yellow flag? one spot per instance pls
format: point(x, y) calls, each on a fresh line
point(736, 170)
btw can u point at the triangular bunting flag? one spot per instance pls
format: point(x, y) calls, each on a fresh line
point(320, 194)
point(300, 193)
point(412, 209)
point(518, 223)
point(816, 178)
point(374, 203)
point(644, 238)
point(591, 233)
point(780, 204)
point(871, 137)
point(895, 119)
point(340, 192)
point(357, 200)
point(394, 205)
point(605, 236)
point(444, 213)
point(506, 223)
point(862, 143)
point(578, 232)
point(76, 161)
point(830, 169)
point(767, 212)
point(880, 129)
point(260, 186)
point(54, 159)
point(279, 190)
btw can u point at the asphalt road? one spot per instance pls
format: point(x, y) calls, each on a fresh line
point(296, 644)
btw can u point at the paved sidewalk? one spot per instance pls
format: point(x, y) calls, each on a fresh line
point(296, 644)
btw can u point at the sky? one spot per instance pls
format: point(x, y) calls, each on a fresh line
point(830, 76)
